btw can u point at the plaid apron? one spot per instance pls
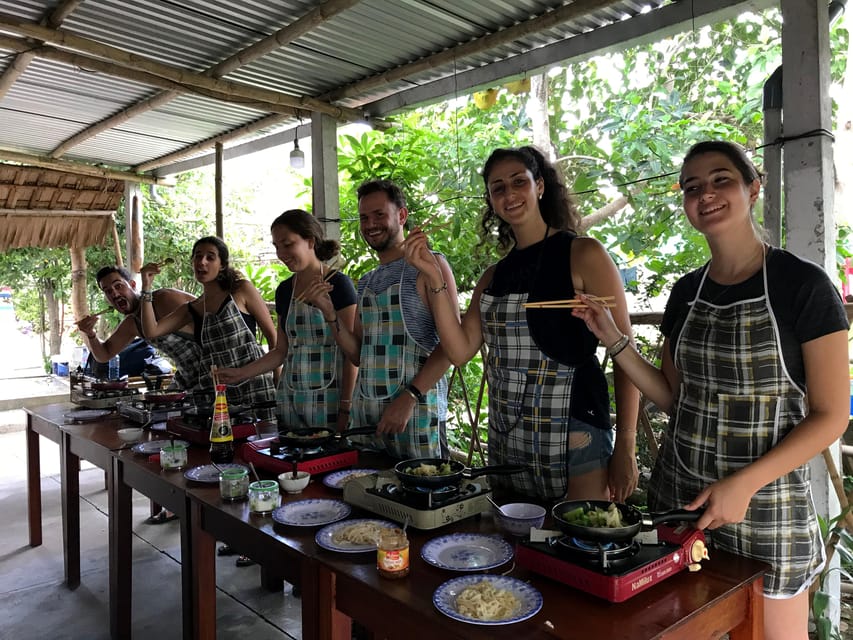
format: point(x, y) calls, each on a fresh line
point(735, 402)
point(390, 359)
point(308, 391)
point(530, 396)
point(227, 342)
point(184, 353)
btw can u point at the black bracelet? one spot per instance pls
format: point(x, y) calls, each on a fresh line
point(415, 393)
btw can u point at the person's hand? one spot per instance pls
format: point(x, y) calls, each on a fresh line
point(147, 273)
point(229, 375)
point(725, 501)
point(86, 326)
point(598, 320)
point(343, 420)
point(622, 472)
point(397, 414)
point(416, 248)
point(317, 294)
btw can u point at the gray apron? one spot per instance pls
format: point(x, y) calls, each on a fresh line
point(390, 359)
point(184, 353)
point(227, 342)
point(309, 389)
point(530, 397)
point(735, 402)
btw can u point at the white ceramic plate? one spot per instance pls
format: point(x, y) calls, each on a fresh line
point(325, 537)
point(153, 446)
point(208, 473)
point(530, 600)
point(338, 479)
point(86, 415)
point(467, 552)
point(311, 513)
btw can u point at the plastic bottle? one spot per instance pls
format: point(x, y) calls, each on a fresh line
point(221, 436)
point(114, 368)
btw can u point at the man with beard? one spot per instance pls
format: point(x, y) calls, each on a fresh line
point(400, 388)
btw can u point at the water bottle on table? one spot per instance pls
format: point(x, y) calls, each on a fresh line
point(113, 371)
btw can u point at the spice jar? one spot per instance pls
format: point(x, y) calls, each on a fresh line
point(234, 483)
point(392, 555)
point(263, 496)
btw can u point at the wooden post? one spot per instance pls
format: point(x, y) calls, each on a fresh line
point(220, 227)
point(79, 304)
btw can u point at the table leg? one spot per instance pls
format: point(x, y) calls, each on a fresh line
point(69, 465)
point(326, 620)
point(202, 597)
point(120, 551)
point(753, 624)
point(33, 484)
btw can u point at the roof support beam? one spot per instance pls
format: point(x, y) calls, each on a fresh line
point(81, 169)
point(186, 79)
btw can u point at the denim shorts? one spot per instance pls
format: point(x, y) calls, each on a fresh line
point(594, 450)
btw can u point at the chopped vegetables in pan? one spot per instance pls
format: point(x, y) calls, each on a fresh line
point(323, 433)
point(424, 469)
point(595, 517)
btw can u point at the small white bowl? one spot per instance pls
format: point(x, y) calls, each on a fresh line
point(130, 434)
point(291, 484)
point(517, 518)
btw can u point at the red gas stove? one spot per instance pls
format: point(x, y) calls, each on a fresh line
point(268, 454)
point(612, 571)
point(200, 433)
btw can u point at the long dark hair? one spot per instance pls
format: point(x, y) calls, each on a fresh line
point(557, 208)
point(229, 278)
point(305, 225)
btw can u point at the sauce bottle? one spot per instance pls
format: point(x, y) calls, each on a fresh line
point(221, 436)
point(392, 555)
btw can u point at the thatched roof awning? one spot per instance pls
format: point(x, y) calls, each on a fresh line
point(54, 228)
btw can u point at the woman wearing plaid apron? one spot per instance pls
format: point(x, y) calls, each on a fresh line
point(315, 386)
point(548, 399)
point(221, 316)
point(746, 337)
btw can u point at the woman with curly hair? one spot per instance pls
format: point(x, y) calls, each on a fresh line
point(548, 399)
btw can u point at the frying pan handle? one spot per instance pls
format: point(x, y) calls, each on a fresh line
point(675, 515)
point(358, 431)
point(497, 469)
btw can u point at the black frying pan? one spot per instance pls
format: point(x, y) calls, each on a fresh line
point(457, 472)
point(634, 520)
point(302, 437)
point(164, 397)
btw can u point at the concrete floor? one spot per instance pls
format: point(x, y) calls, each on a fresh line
point(35, 602)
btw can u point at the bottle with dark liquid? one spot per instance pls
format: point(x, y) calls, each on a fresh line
point(221, 436)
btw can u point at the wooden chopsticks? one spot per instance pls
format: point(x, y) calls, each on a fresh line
point(571, 303)
point(101, 312)
point(329, 274)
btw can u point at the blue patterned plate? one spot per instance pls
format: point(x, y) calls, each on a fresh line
point(311, 513)
point(467, 552)
point(209, 474)
point(153, 446)
point(529, 599)
point(325, 537)
point(338, 479)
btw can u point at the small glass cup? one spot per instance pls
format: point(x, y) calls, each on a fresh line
point(263, 496)
point(173, 456)
point(234, 484)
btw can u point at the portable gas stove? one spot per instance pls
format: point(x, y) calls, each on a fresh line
point(194, 425)
point(84, 395)
point(614, 571)
point(384, 494)
point(145, 412)
point(269, 455)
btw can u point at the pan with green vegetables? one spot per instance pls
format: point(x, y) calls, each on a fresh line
point(604, 521)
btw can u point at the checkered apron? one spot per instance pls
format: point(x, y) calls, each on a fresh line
point(308, 391)
point(390, 359)
point(184, 353)
point(227, 342)
point(735, 402)
point(529, 400)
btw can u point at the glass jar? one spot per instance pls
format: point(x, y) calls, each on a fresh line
point(263, 496)
point(234, 484)
point(173, 456)
point(392, 555)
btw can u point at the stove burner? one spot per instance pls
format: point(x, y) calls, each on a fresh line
point(601, 554)
point(427, 498)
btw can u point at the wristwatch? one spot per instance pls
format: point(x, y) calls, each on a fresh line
point(415, 393)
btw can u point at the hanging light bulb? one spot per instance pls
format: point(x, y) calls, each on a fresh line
point(297, 156)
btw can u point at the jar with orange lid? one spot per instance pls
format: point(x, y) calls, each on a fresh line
point(392, 555)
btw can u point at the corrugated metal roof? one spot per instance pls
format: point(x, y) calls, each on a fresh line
point(52, 101)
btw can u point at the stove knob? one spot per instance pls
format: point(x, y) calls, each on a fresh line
point(698, 551)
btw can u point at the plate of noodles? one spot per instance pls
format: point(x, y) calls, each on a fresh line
point(338, 479)
point(487, 599)
point(352, 536)
point(467, 552)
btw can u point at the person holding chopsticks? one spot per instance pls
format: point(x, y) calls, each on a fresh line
point(224, 319)
point(548, 398)
point(315, 387)
point(745, 338)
